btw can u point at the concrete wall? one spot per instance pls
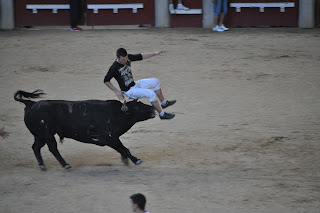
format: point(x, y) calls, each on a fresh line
point(306, 13)
point(6, 15)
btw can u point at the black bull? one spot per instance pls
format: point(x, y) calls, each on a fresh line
point(91, 121)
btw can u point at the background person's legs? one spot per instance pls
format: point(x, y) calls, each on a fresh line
point(179, 2)
point(217, 15)
point(223, 13)
point(216, 19)
point(75, 12)
point(180, 6)
point(221, 19)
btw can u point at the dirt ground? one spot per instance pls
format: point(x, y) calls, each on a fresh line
point(245, 137)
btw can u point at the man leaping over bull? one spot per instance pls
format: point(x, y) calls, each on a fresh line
point(144, 88)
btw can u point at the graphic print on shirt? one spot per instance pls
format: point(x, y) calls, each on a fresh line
point(126, 74)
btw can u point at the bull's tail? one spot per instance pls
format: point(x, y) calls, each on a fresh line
point(22, 94)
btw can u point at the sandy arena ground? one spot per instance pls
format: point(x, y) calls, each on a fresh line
point(245, 137)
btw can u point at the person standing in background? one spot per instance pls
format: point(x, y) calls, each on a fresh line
point(220, 10)
point(180, 6)
point(76, 11)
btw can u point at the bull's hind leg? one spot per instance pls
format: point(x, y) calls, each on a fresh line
point(52, 144)
point(37, 145)
point(125, 153)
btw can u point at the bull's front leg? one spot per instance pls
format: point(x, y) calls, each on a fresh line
point(125, 153)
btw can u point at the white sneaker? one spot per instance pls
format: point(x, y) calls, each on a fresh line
point(217, 29)
point(182, 7)
point(171, 9)
point(223, 27)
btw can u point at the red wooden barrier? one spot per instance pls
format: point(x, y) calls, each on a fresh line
point(247, 16)
point(127, 16)
point(26, 17)
point(272, 16)
point(54, 16)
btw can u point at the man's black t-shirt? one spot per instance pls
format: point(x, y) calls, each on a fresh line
point(122, 73)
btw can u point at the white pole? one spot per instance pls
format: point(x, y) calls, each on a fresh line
point(207, 10)
point(6, 15)
point(306, 13)
point(162, 16)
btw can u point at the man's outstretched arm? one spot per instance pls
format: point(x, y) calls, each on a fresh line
point(149, 55)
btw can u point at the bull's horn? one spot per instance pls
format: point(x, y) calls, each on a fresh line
point(124, 107)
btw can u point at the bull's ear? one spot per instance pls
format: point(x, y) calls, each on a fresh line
point(135, 100)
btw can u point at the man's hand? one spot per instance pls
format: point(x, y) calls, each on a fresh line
point(159, 52)
point(149, 55)
point(117, 92)
point(3, 133)
point(120, 95)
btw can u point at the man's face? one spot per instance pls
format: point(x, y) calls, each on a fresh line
point(134, 207)
point(123, 60)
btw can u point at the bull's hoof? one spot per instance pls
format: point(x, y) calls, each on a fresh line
point(138, 162)
point(67, 166)
point(125, 161)
point(43, 167)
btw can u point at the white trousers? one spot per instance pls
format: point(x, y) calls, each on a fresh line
point(144, 88)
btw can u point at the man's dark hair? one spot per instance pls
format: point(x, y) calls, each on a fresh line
point(140, 200)
point(121, 52)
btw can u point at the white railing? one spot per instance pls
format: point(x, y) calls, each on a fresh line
point(115, 7)
point(261, 6)
point(94, 7)
point(53, 7)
